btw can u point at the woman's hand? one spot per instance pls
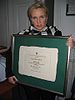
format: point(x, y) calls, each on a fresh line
point(12, 80)
point(70, 42)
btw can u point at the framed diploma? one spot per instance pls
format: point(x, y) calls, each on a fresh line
point(41, 61)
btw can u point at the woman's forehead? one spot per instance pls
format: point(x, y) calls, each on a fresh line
point(38, 11)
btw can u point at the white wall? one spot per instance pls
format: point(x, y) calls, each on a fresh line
point(65, 23)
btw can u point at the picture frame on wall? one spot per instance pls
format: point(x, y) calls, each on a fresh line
point(70, 8)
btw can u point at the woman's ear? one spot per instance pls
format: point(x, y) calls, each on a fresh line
point(46, 18)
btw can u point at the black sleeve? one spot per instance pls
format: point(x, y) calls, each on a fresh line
point(58, 33)
point(9, 63)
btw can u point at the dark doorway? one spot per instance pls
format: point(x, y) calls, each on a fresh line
point(50, 5)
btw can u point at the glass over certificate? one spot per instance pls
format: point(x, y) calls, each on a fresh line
point(38, 62)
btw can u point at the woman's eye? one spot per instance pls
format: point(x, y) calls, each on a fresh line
point(34, 18)
point(42, 17)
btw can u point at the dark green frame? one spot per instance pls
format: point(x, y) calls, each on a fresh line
point(59, 86)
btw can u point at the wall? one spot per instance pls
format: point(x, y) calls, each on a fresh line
point(65, 23)
point(17, 12)
point(3, 22)
point(13, 17)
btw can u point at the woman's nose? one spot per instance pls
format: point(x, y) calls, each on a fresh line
point(38, 20)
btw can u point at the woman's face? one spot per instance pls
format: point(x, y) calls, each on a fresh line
point(39, 18)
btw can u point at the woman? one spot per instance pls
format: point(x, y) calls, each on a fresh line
point(38, 16)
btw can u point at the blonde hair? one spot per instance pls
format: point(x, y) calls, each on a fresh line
point(37, 5)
